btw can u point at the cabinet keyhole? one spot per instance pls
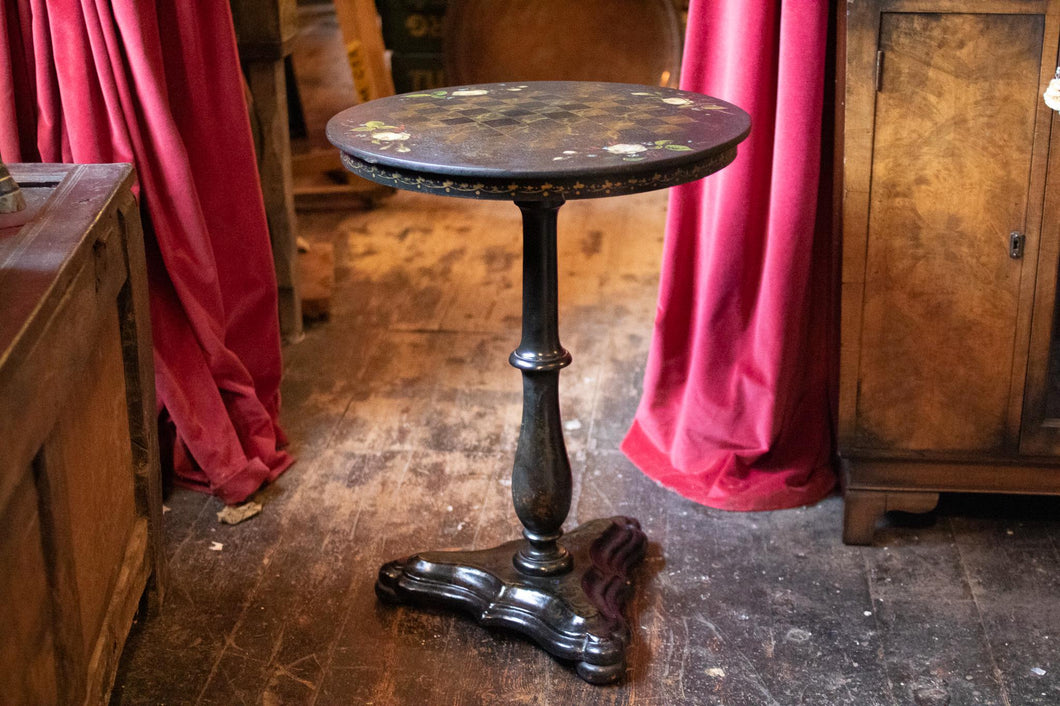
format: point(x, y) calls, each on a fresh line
point(1016, 242)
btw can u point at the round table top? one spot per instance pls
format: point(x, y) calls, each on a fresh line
point(539, 140)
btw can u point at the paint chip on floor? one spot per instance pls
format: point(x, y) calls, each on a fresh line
point(234, 514)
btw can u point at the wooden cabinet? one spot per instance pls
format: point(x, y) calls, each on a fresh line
point(950, 178)
point(80, 499)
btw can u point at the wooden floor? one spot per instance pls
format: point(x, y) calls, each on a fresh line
point(403, 413)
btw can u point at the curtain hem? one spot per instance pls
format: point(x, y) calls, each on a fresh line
point(721, 488)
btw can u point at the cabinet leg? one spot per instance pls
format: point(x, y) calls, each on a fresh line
point(862, 510)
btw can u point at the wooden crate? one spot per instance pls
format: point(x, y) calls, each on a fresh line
point(80, 497)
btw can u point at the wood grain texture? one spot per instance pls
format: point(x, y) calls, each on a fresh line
point(266, 33)
point(1040, 253)
point(138, 359)
point(953, 144)
point(858, 62)
point(67, 609)
point(397, 456)
point(268, 86)
point(1041, 406)
point(65, 427)
point(130, 577)
point(97, 490)
point(945, 342)
point(28, 642)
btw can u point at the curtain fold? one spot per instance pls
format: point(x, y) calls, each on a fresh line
point(158, 84)
point(736, 409)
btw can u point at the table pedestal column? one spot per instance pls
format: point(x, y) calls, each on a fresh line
point(564, 591)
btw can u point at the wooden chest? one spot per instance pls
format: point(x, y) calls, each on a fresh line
point(950, 362)
point(80, 499)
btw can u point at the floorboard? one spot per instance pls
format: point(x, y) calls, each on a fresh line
point(404, 423)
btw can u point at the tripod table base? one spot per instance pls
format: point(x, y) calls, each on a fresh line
point(575, 616)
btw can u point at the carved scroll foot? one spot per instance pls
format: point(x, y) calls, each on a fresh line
point(575, 616)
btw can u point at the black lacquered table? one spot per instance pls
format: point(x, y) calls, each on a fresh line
point(539, 144)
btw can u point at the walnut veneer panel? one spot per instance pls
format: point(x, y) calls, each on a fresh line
point(951, 162)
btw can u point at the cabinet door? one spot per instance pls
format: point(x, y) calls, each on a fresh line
point(953, 147)
point(1040, 433)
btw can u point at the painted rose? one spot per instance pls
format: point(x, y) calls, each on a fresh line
point(626, 149)
point(390, 136)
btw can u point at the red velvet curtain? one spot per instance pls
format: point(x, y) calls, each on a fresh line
point(736, 406)
point(158, 84)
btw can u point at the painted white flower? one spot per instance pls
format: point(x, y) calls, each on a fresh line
point(570, 152)
point(626, 149)
point(470, 92)
point(677, 101)
point(391, 136)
